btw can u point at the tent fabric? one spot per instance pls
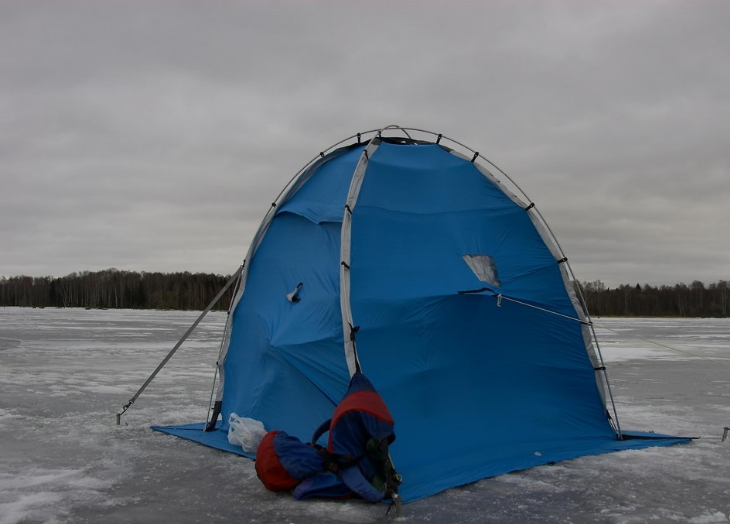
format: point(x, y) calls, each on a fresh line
point(480, 378)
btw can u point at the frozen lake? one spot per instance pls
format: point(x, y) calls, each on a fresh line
point(64, 373)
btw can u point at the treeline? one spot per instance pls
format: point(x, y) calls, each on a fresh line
point(680, 300)
point(115, 289)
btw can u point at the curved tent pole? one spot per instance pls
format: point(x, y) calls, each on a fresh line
point(601, 364)
point(348, 327)
point(348, 324)
point(392, 126)
point(582, 309)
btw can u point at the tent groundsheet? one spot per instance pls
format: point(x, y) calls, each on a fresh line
point(411, 491)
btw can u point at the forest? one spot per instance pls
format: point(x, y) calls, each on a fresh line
point(679, 300)
point(117, 289)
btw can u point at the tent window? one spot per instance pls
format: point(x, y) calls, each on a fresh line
point(484, 268)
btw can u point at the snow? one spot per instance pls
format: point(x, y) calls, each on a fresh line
point(65, 373)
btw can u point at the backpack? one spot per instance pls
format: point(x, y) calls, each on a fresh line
point(355, 461)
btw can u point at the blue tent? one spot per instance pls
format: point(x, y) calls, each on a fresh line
point(408, 258)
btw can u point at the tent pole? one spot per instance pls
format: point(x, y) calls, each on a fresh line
point(177, 346)
point(210, 419)
point(617, 427)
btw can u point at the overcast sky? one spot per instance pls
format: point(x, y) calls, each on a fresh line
point(154, 135)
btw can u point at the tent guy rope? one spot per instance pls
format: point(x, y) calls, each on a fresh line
point(165, 360)
point(665, 346)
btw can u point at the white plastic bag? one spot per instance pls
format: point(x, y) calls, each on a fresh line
point(245, 432)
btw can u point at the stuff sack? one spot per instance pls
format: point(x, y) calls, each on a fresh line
point(283, 461)
point(355, 461)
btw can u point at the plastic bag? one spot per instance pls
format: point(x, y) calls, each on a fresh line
point(245, 432)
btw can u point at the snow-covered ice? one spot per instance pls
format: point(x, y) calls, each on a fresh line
point(64, 373)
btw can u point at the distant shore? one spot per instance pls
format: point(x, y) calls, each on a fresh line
point(185, 291)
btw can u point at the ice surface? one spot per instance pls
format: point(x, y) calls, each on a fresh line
point(64, 373)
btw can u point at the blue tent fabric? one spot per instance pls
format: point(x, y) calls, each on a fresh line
point(477, 386)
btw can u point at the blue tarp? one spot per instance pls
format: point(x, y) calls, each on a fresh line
point(477, 386)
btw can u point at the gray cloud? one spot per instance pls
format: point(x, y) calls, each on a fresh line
point(153, 136)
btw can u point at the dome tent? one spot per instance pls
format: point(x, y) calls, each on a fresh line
point(399, 252)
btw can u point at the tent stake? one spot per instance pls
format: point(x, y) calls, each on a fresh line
point(177, 346)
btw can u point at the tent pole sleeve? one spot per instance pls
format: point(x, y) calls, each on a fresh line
point(602, 369)
point(574, 292)
point(296, 182)
point(348, 325)
point(179, 343)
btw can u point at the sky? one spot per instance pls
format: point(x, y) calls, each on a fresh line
point(153, 135)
